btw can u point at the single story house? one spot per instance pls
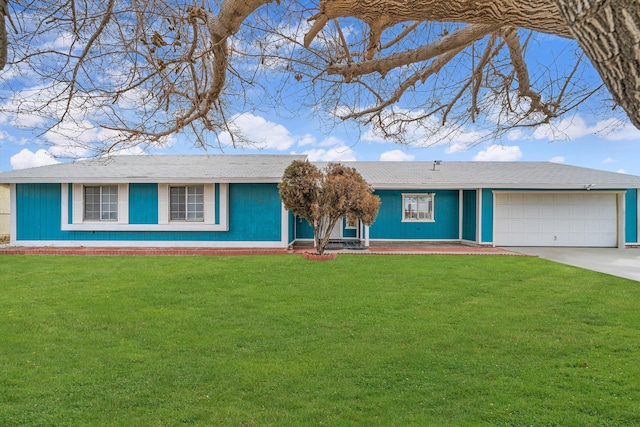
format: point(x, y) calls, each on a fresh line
point(231, 201)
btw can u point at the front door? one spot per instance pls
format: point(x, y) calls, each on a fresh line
point(336, 233)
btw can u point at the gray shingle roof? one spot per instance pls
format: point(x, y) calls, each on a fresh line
point(160, 169)
point(269, 168)
point(456, 175)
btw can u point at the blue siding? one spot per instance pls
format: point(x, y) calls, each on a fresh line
point(291, 225)
point(255, 211)
point(349, 233)
point(303, 229)
point(217, 203)
point(469, 220)
point(389, 224)
point(70, 205)
point(631, 220)
point(143, 203)
point(38, 211)
point(487, 216)
point(254, 215)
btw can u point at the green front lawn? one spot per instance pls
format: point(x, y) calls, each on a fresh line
point(278, 340)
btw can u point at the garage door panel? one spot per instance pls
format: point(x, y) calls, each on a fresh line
point(555, 219)
point(562, 211)
point(580, 226)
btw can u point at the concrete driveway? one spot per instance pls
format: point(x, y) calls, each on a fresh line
point(617, 262)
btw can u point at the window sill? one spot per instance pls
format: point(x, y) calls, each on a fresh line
point(98, 226)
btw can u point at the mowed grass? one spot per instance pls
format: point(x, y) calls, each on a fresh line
point(278, 340)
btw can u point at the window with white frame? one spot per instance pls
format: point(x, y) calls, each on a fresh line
point(353, 224)
point(101, 203)
point(417, 207)
point(186, 203)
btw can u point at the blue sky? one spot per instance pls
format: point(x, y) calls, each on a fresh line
point(578, 138)
point(588, 143)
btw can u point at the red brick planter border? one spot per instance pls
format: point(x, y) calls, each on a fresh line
point(317, 257)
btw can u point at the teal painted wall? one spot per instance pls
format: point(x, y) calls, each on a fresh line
point(349, 233)
point(487, 216)
point(303, 229)
point(469, 220)
point(38, 212)
point(291, 227)
point(217, 203)
point(255, 211)
point(70, 206)
point(254, 215)
point(631, 220)
point(143, 203)
point(389, 225)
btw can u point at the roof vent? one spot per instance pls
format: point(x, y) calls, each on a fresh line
point(436, 163)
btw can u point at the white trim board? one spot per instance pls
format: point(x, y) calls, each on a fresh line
point(123, 212)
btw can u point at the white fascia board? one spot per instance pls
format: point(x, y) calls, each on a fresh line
point(113, 226)
point(207, 180)
point(429, 186)
point(142, 180)
point(563, 191)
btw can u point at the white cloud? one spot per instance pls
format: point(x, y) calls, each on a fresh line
point(419, 131)
point(396, 156)
point(336, 154)
point(576, 127)
point(608, 160)
point(499, 153)
point(515, 134)
point(261, 133)
point(621, 171)
point(136, 150)
point(62, 42)
point(624, 132)
point(76, 138)
point(307, 139)
point(331, 141)
point(456, 148)
point(28, 159)
point(558, 159)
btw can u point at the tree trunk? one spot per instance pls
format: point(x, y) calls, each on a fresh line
point(4, 42)
point(609, 33)
point(538, 15)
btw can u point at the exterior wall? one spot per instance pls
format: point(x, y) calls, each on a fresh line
point(348, 232)
point(631, 219)
point(304, 231)
point(5, 209)
point(291, 224)
point(469, 214)
point(255, 215)
point(143, 203)
point(389, 225)
point(487, 216)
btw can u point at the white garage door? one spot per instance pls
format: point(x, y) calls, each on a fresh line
point(555, 219)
